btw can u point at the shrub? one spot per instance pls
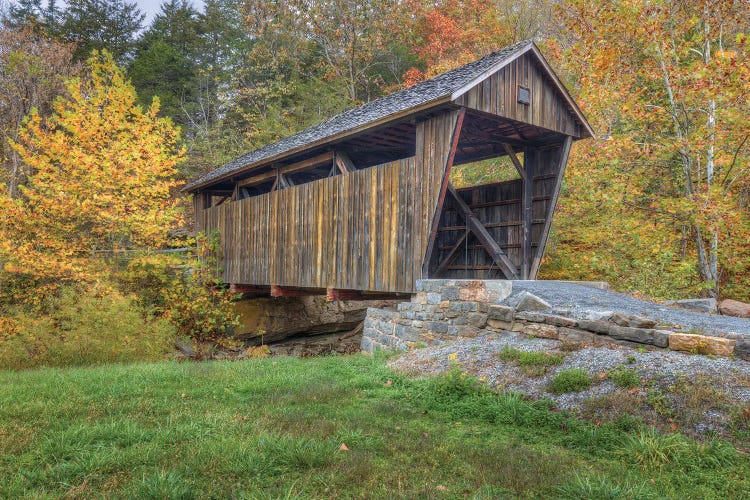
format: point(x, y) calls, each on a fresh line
point(93, 327)
point(625, 378)
point(571, 380)
point(187, 292)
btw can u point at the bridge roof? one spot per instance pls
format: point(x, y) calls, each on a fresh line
point(432, 93)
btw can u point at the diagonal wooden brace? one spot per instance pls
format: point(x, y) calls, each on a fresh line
point(484, 237)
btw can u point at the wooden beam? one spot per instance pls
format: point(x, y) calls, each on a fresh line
point(343, 162)
point(315, 161)
point(337, 294)
point(516, 163)
point(451, 255)
point(443, 188)
point(249, 289)
point(565, 152)
point(484, 237)
point(281, 291)
point(527, 196)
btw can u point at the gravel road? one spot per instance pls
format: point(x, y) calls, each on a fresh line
point(581, 299)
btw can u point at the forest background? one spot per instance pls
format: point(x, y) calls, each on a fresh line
point(103, 116)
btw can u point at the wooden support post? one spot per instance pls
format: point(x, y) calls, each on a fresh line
point(443, 188)
point(526, 207)
point(315, 161)
point(513, 158)
point(564, 153)
point(484, 237)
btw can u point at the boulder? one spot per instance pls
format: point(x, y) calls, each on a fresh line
point(700, 305)
point(736, 308)
point(632, 321)
point(526, 301)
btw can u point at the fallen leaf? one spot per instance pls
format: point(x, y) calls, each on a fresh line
point(389, 383)
point(440, 487)
point(343, 447)
point(426, 435)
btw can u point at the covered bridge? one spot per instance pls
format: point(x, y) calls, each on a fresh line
point(362, 203)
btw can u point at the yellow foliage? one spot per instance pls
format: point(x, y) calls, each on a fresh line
point(103, 174)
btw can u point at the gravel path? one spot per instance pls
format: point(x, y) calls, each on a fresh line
point(580, 299)
point(727, 379)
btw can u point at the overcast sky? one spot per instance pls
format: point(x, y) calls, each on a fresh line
point(151, 7)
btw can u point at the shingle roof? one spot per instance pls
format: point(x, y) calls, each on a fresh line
point(422, 93)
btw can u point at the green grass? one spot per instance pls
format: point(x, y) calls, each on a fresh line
point(570, 380)
point(534, 363)
point(270, 428)
point(625, 378)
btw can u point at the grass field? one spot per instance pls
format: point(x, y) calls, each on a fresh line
point(275, 427)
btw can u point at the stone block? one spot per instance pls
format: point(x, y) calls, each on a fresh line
point(430, 285)
point(553, 319)
point(477, 319)
point(702, 344)
point(529, 302)
point(533, 317)
point(420, 298)
point(463, 306)
point(407, 333)
point(742, 349)
point(639, 335)
point(736, 308)
point(417, 324)
point(701, 305)
point(575, 335)
point(386, 314)
point(449, 293)
point(409, 306)
point(499, 324)
point(489, 291)
point(468, 331)
point(540, 330)
point(632, 321)
point(445, 304)
point(434, 298)
point(596, 326)
point(503, 313)
point(597, 315)
point(438, 326)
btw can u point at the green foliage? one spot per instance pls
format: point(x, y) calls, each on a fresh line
point(82, 328)
point(532, 362)
point(626, 378)
point(188, 292)
point(570, 380)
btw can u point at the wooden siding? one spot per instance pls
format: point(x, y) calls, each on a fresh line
point(499, 207)
point(365, 230)
point(498, 95)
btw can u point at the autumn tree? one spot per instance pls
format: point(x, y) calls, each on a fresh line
point(102, 175)
point(666, 84)
point(32, 73)
point(448, 33)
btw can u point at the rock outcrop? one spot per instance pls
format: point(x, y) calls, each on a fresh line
point(265, 320)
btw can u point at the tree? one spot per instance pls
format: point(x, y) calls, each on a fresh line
point(448, 33)
point(103, 172)
point(102, 24)
point(42, 17)
point(666, 83)
point(32, 73)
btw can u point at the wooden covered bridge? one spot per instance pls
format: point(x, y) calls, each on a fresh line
point(362, 203)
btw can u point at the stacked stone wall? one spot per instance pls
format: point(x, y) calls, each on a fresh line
point(445, 310)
